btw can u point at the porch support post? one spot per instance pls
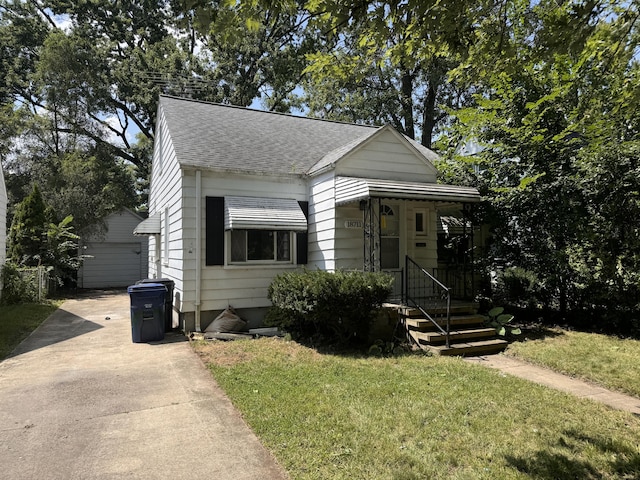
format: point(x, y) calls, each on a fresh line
point(467, 216)
point(371, 229)
point(464, 252)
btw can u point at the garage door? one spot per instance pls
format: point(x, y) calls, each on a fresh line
point(112, 265)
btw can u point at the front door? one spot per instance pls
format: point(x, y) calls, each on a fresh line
point(389, 236)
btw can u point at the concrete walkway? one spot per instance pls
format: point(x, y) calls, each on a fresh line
point(80, 400)
point(543, 376)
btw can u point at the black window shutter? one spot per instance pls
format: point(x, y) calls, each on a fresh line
point(215, 231)
point(302, 238)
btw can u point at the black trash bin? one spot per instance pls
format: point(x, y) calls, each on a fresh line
point(147, 312)
point(168, 304)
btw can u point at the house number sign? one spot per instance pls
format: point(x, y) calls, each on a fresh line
point(353, 223)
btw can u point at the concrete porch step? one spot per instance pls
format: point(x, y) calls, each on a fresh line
point(456, 309)
point(482, 347)
point(457, 321)
point(456, 336)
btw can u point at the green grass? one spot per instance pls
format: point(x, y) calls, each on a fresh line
point(608, 361)
point(416, 417)
point(18, 321)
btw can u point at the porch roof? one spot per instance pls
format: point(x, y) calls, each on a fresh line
point(352, 189)
point(149, 226)
point(257, 213)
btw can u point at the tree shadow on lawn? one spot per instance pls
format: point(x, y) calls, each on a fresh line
point(534, 331)
point(624, 323)
point(558, 460)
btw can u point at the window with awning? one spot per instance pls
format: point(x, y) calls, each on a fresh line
point(149, 226)
point(256, 213)
point(256, 230)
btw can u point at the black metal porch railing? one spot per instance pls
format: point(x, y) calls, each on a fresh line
point(425, 292)
point(463, 283)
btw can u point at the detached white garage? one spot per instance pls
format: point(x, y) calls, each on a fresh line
point(117, 259)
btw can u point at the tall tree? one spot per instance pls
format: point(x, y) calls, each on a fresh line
point(388, 62)
point(84, 77)
point(27, 235)
point(80, 86)
point(554, 86)
point(254, 50)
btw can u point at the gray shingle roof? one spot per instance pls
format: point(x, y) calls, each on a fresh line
point(236, 139)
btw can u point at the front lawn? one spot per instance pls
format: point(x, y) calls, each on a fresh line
point(416, 417)
point(606, 360)
point(18, 321)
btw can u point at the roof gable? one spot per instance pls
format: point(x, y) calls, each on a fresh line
point(386, 151)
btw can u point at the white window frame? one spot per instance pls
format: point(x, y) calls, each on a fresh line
point(424, 231)
point(274, 261)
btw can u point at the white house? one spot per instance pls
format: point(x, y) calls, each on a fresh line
point(117, 258)
point(239, 195)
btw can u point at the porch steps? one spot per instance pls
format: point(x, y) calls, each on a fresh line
point(468, 336)
point(464, 309)
point(434, 338)
point(422, 324)
point(471, 349)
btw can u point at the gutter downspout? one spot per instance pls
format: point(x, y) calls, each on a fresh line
point(198, 247)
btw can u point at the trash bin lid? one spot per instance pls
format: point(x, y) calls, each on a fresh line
point(143, 287)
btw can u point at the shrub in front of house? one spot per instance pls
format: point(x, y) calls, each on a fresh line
point(328, 308)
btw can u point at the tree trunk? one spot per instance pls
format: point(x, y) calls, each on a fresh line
point(429, 115)
point(406, 100)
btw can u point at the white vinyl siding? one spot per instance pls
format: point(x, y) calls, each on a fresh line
point(166, 195)
point(322, 223)
point(241, 286)
point(349, 241)
point(164, 232)
point(386, 156)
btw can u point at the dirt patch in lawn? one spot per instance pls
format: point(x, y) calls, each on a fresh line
point(229, 353)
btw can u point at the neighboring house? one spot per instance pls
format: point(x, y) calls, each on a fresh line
point(239, 196)
point(116, 259)
point(3, 223)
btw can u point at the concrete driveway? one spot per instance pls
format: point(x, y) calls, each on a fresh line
point(80, 400)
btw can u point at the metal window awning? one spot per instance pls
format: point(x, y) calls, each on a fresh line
point(150, 226)
point(352, 189)
point(258, 213)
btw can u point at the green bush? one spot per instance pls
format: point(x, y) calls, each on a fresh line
point(18, 287)
point(517, 286)
point(329, 308)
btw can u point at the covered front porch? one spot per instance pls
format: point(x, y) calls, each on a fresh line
point(398, 224)
point(423, 235)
